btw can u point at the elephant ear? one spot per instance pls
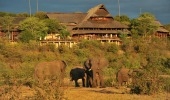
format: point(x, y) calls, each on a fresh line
point(103, 62)
point(87, 64)
point(130, 72)
point(64, 64)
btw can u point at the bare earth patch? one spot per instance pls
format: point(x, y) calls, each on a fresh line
point(109, 93)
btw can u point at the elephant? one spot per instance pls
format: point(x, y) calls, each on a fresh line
point(51, 71)
point(94, 70)
point(123, 76)
point(76, 74)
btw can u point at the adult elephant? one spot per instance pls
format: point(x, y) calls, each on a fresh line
point(51, 71)
point(76, 74)
point(94, 70)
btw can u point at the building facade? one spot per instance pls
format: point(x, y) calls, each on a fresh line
point(96, 24)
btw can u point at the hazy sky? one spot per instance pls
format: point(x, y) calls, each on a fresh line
point(131, 8)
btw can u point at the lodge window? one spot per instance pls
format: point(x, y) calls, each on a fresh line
point(99, 18)
point(75, 28)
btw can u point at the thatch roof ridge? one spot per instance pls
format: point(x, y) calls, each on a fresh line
point(17, 20)
point(92, 11)
point(66, 13)
point(158, 23)
point(160, 27)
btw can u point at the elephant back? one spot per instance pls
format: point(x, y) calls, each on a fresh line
point(96, 63)
point(77, 73)
point(123, 74)
point(49, 70)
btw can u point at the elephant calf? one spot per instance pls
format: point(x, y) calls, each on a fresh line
point(123, 76)
point(76, 74)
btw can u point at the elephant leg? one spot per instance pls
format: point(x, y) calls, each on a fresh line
point(87, 81)
point(90, 82)
point(76, 83)
point(94, 84)
point(83, 82)
point(101, 80)
point(97, 80)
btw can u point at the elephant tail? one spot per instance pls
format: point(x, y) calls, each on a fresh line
point(65, 64)
point(71, 75)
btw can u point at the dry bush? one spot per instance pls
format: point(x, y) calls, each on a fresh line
point(146, 82)
point(49, 91)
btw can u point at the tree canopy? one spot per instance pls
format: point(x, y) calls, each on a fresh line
point(7, 24)
point(123, 19)
point(34, 26)
point(144, 25)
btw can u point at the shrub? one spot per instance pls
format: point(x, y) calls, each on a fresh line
point(146, 82)
point(165, 83)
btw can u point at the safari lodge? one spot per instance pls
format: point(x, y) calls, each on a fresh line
point(96, 24)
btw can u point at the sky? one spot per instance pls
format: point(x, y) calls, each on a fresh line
point(132, 8)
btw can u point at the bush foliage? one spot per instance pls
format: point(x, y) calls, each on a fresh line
point(18, 60)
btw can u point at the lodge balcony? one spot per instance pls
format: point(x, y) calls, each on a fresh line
point(74, 40)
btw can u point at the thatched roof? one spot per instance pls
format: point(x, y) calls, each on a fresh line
point(160, 27)
point(93, 12)
point(81, 19)
point(67, 17)
point(112, 24)
point(17, 20)
point(84, 20)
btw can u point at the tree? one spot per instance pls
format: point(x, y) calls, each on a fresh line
point(41, 15)
point(22, 15)
point(26, 36)
point(34, 26)
point(64, 33)
point(53, 25)
point(144, 25)
point(123, 19)
point(7, 24)
point(3, 14)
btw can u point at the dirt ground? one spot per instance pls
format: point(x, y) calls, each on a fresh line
point(109, 93)
point(82, 93)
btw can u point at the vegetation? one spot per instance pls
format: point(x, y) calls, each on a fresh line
point(17, 61)
point(7, 24)
point(33, 26)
